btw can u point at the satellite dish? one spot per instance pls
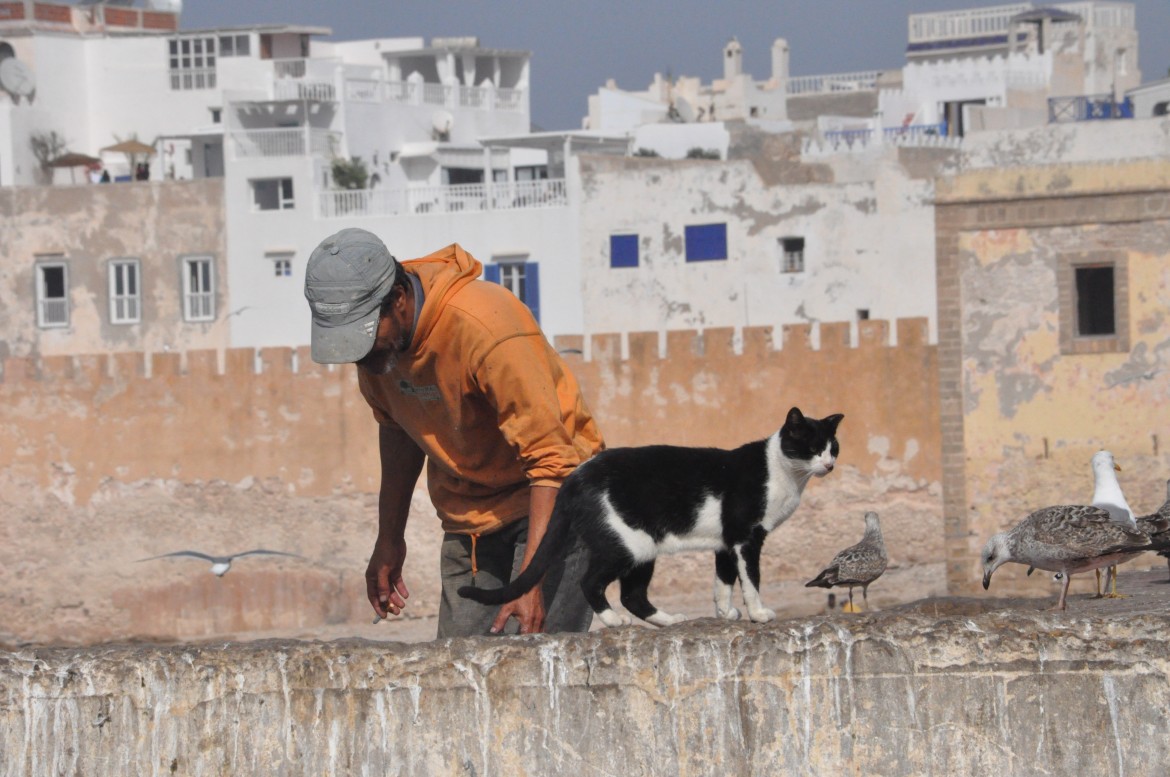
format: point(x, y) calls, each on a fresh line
point(685, 111)
point(16, 78)
point(442, 122)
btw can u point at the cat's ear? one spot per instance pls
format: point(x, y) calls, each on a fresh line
point(794, 417)
point(832, 421)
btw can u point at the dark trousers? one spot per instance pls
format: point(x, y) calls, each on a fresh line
point(498, 558)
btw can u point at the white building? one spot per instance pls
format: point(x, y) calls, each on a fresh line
point(803, 199)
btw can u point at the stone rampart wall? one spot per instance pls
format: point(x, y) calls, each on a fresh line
point(1019, 693)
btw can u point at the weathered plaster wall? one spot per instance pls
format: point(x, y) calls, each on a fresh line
point(102, 466)
point(912, 693)
point(88, 225)
point(867, 242)
point(1021, 413)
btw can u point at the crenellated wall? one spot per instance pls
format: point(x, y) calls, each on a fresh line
point(275, 413)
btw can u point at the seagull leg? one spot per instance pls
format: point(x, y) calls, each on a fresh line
point(1113, 591)
point(1060, 605)
point(1097, 572)
point(851, 607)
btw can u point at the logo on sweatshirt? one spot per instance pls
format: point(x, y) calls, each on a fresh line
point(421, 393)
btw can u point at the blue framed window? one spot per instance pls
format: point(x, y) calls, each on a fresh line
point(623, 250)
point(706, 242)
point(519, 277)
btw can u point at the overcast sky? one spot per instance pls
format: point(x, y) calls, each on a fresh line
point(578, 45)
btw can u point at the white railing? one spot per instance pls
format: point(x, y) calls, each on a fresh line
point(412, 93)
point(1102, 15)
point(294, 141)
point(839, 82)
point(303, 90)
point(289, 68)
point(968, 23)
point(54, 312)
point(465, 198)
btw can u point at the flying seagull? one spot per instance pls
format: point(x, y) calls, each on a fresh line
point(857, 565)
point(221, 564)
point(1066, 539)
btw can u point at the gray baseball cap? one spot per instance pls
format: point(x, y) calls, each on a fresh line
point(347, 276)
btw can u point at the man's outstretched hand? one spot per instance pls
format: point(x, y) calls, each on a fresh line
point(384, 584)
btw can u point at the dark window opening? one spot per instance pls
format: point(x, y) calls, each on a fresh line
point(1095, 304)
point(454, 176)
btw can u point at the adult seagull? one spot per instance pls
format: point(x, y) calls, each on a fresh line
point(221, 564)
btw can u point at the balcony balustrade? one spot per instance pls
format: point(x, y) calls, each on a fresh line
point(840, 82)
point(294, 141)
point(418, 93)
point(458, 198)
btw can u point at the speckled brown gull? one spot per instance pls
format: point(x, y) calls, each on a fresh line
point(858, 565)
point(1064, 538)
point(1163, 513)
point(221, 564)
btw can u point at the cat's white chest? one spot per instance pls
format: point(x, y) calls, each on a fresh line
point(783, 489)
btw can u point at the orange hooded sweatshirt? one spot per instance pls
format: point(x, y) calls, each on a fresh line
point(485, 397)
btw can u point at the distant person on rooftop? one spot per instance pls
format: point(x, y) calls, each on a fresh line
point(457, 372)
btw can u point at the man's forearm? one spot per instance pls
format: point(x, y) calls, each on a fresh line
point(540, 506)
point(401, 464)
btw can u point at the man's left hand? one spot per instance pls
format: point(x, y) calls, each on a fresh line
point(528, 610)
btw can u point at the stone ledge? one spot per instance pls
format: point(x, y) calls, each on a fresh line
point(948, 686)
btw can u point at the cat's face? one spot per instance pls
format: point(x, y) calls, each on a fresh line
point(811, 441)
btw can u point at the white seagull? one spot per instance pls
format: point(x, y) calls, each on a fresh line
point(221, 564)
point(1108, 496)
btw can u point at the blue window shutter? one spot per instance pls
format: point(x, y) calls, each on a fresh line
point(623, 250)
point(706, 242)
point(491, 272)
point(532, 288)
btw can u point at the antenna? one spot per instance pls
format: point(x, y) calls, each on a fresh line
point(16, 78)
point(442, 122)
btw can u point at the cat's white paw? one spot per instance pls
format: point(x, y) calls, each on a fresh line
point(762, 615)
point(661, 618)
point(730, 614)
point(612, 619)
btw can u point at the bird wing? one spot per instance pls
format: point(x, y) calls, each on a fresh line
point(265, 552)
point(1079, 531)
point(862, 563)
point(191, 553)
point(826, 579)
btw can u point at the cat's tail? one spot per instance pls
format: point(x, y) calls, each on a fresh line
point(554, 544)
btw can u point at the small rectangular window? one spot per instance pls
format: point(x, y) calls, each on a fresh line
point(520, 277)
point(1093, 289)
point(281, 263)
point(791, 254)
point(1095, 314)
point(706, 242)
point(125, 294)
point(52, 295)
point(623, 250)
point(273, 194)
point(198, 289)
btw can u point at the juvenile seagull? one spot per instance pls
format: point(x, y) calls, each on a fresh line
point(221, 564)
point(858, 565)
point(1107, 495)
point(1162, 513)
point(1067, 539)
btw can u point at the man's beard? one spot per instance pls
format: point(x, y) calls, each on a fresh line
point(381, 361)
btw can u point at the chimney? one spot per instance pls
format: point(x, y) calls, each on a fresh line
point(780, 61)
point(732, 60)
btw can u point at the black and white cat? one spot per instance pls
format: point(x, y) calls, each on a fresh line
point(630, 505)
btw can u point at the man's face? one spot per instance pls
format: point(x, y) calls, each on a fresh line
point(393, 337)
